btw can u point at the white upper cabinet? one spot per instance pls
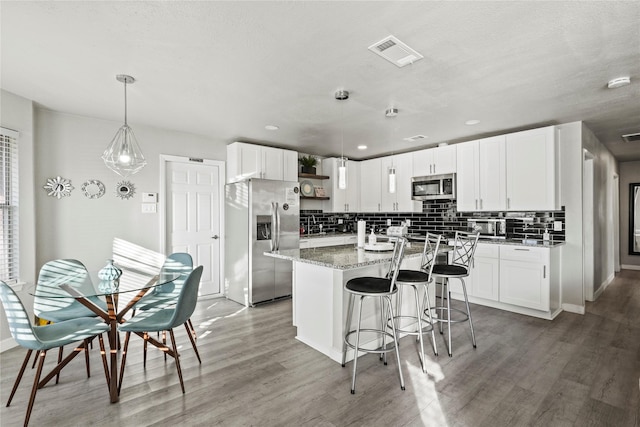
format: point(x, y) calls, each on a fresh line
point(346, 200)
point(400, 201)
point(370, 185)
point(435, 161)
point(258, 161)
point(481, 177)
point(532, 170)
point(289, 165)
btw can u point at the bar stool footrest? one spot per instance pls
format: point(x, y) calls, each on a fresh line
point(427, 326)
point(443, 310)
point(390, 345)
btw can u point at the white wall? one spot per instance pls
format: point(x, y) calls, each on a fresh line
point(573, 138)
point(77, 227)
point(629, 173)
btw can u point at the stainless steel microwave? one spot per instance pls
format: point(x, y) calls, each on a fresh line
point(433, 187)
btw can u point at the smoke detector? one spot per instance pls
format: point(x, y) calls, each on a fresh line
point(395, 51)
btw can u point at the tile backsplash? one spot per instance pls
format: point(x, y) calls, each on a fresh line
point(438, 216)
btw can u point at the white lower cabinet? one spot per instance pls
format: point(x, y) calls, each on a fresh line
point(524, 277)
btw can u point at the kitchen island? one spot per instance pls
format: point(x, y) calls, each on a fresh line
point(319, 300)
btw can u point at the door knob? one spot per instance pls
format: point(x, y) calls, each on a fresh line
point(215, 237)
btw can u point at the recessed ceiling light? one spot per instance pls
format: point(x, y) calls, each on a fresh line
point(619, 82)
point(362, 147)
point(271, 127)
point(472, 122)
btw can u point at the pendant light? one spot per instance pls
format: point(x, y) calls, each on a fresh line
point(123, 155)
point(392, 112)
point(342, 95)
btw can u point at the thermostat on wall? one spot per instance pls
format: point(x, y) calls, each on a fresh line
point(149, 197)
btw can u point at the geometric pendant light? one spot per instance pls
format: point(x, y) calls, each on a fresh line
point(123, 155)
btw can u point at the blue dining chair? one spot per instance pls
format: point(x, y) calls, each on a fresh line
point(165, 295)
point(164, 319)
point(51, 304)
point(43, 338)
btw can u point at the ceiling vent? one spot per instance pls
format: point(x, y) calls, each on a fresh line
point(394, 51)
point(631, 137)
point(415, 138)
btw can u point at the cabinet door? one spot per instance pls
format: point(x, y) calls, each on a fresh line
point(467, 181)
point(423, 162)
point(531, 170)
point(243, 161)
point(444, 159)
point(272, 163)
point(290, 165)
point(404, 173)
point(352, 198)
point(524, 283)
point(370, 185)
point(486, 278)
point(492, 174)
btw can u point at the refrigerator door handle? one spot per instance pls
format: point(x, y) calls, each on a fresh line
point(277, 211)
point(273, 227)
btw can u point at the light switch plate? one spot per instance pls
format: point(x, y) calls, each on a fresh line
point(557, 225)
point(407, 222)
point(388, 221)
point(148, 208)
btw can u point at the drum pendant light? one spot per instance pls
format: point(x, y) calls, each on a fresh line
point(342, 95)
point(123, 155)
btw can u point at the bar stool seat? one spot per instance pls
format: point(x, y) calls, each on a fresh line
point(382, 288)
point(464, 249)
point(416, 279)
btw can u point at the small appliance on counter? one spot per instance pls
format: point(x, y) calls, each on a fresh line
point(489, 228)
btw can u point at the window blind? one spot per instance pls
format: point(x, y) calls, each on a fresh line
point(9, 206)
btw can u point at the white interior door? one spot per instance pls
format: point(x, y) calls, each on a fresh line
point(194, 209)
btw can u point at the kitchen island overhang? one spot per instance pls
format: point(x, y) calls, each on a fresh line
point(319, 300)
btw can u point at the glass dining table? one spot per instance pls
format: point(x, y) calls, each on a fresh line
point(131, 284)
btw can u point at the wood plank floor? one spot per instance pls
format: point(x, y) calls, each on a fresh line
point(573, 371)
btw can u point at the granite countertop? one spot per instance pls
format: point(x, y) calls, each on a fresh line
point(342, 257)
point(416, 238)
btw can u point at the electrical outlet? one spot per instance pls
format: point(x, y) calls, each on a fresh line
point(149, 208)
point(340, 221)
point(407, 222)
point(557, 225)
point(389, 221)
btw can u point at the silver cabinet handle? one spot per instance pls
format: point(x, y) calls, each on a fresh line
point(480, 204)
point(521, 249)
point(508, 203)
point(215, 237)
point(476, 204)
point(544, 271)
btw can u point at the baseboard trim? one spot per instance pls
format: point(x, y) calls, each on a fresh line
point(630, 267)
point(7, 344)
point(572, 308)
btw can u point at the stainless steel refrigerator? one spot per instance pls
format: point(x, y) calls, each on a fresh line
point(261, 215)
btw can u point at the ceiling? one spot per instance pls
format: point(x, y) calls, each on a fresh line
point(226, 69)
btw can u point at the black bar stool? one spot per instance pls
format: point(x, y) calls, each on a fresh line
point(462, 256)
point(414, 279)
point(382, 288)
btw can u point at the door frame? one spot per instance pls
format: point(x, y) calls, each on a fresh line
point(162, 205)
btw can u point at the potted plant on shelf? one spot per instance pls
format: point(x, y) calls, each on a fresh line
point(308, 164)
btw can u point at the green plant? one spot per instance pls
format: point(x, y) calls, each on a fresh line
point(308, 161)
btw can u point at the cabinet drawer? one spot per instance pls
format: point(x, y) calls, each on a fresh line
point(524, 253)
